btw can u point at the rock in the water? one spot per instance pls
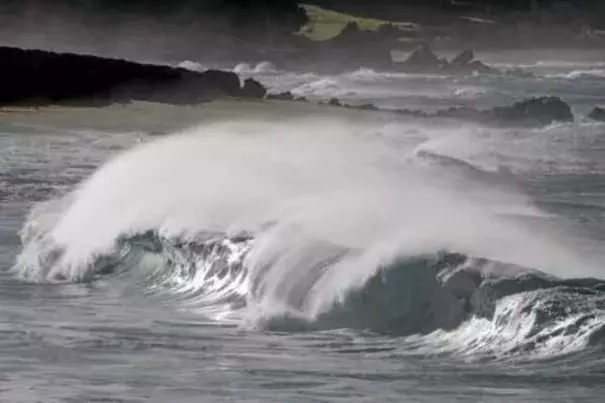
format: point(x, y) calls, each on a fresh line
point(463, 59)
point(533, 112)
point(464, 112)
point(253, 89)
point(40, 77)
point(597, 113)
point(284, 96)
point(368, 107)
point(465, 63)
point(217, 82)
point(423, 58)
point(334, 102)
point(540, 111)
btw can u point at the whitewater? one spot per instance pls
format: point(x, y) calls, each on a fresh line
point(287, 252)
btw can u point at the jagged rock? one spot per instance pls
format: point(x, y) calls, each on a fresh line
point(464, 58)
point(29, 77)
point(465, 63)
point(540, 111)
point(597, 113)
point(253, 89)
point(423, 58)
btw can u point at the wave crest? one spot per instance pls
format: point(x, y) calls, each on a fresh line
point(299, 225)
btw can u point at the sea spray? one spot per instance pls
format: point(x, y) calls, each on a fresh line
point(296, 182)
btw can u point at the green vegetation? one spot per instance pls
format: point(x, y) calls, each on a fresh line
point(326, 24)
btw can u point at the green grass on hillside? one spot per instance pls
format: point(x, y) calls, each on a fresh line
point(326, 24)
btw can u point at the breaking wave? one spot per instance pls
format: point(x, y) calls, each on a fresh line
point(259, 68)
point(579, 74)
point(322, 225)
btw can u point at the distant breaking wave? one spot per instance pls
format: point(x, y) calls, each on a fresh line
point(578, 74)
point(322, 224)
point(262, 67)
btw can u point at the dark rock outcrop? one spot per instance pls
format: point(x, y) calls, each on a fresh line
point(465, 62)
point(253, 89)
point(598, 114)
point(464, 58)
point(540, 111)
point(424, 60)
point(368, 107)
point(334, 102)
point(535, 111)
point(36, 77)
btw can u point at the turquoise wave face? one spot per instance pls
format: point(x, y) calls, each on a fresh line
point(433, 301)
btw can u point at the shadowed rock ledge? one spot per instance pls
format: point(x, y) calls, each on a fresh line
point(36, 77)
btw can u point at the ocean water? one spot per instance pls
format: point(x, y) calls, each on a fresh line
point(313, 257)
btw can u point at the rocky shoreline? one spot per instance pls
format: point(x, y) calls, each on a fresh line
point(39, 78)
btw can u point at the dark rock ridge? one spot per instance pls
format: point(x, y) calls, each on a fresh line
point(36, 77)
point(424, 60)
point(540, 111)
point(598, 114)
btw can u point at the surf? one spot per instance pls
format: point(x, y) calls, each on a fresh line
point(305, 223)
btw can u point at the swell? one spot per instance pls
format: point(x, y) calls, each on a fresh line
point(440, 303)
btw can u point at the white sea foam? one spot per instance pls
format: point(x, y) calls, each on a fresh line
point(295, 184)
